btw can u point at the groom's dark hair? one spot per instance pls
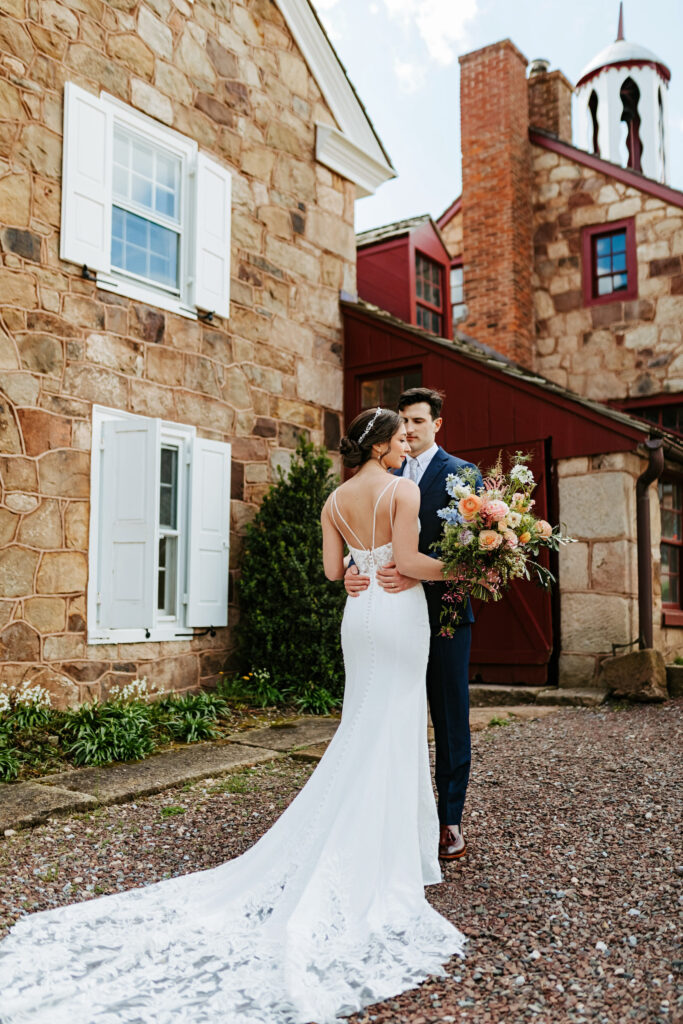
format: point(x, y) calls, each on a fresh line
point(433, 398)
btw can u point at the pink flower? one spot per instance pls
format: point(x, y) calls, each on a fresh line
point(495, 510)
point(489, 540)
point(544, 528)
point(510, 539)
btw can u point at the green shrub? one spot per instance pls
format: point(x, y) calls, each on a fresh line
point(190, 717)
point(99, 733)
point(290, 613)
point(255, 688)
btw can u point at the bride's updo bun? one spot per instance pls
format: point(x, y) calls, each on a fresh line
point(374, 426)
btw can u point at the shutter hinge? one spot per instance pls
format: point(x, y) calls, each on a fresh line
point(99, 599)
point(185, 598)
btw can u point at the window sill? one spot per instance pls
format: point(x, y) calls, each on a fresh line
point(160, 634)
point(150, 296)
point(672, 617)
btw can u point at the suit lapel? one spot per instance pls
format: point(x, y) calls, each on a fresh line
point(432, 471)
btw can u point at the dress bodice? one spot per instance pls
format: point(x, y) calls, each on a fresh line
point(369, 560)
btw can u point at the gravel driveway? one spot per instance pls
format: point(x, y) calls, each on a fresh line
point(571, 895)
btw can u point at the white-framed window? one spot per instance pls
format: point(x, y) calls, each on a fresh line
point(143, 208)
point(159, 529)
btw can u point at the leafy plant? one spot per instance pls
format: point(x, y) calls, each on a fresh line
point(254, 688)
point(171, 809)
point(190, 717)
point(99, 733)
point(315, 700)
point(9, 764)
point(290, 613)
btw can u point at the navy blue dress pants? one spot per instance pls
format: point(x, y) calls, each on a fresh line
point(449, 706)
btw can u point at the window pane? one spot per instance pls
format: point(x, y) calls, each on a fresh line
point(619, 282)
point(146, 175)
point(619, 242)
point(604, 285)
point(166, 580)
point(672, 416)
point(144, 248)
point(619, 261)
point(168, 496)
point(161, 578)
point(605, 265)
point(369, 394)
point(602, 246)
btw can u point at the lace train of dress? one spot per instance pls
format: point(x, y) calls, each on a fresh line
point(323, 916)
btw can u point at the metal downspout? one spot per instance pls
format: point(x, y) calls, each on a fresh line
point(652, 472)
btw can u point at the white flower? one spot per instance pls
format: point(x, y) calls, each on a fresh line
point(456, 486)
point(522, 473)
point(513, 519)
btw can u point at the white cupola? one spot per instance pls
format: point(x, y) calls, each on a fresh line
point(622, 107)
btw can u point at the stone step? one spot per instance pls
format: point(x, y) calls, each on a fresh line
point(493, 694)
point(580, 698)
point(484, 695)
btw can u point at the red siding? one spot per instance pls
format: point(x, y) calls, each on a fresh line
point(384, 276)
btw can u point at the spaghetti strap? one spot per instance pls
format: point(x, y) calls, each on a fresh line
point(353, 533)
point(391, 504)
point(374, 512)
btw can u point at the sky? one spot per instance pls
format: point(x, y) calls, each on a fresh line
point(402, 57)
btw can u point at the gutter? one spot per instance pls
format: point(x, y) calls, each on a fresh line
point(653, 471)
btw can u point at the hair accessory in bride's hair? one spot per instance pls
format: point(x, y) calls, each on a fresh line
point(370, 425)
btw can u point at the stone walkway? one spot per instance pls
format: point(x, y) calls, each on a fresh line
point(25, 804)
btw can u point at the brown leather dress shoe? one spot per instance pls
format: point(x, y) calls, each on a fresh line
point(452, 846)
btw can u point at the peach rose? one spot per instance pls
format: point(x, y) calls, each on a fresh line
point(495, 510)
point(525, 537)
point(489, 540)
point(544, 528)
point(469, 506)
point(510, 539)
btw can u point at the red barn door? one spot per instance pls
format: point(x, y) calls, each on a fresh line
point(512, 640)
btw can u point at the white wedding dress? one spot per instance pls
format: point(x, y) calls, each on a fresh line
point(323, 916)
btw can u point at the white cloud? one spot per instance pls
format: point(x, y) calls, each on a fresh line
point(410, 76)
point(440, 23)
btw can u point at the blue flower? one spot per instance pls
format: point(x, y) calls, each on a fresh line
point(451, 516)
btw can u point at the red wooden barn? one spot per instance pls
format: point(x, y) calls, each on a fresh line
point(491, 404)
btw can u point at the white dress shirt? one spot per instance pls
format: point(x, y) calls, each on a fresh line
point(414, 468)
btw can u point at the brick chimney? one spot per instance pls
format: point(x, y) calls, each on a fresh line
point(497, 206)
point(550, 101)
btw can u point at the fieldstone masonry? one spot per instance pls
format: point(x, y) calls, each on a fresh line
point(227, 74)
point(620, 349)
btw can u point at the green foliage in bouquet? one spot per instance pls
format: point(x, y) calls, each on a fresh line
point(290, 613)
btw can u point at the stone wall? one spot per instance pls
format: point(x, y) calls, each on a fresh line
point(227, 74)
point(452, 236)
point(599, 574)
point(619, 349)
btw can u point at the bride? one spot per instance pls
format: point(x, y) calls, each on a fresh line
point(326, 913)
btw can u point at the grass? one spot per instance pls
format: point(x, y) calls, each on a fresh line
point(172, 809)
point(498, 720)
point(233, 784)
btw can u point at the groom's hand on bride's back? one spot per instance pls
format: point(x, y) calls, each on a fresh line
point(354, 583)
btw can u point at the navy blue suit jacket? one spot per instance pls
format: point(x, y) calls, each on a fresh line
point(433, 496)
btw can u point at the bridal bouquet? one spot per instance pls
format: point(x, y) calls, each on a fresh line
point(491, 537)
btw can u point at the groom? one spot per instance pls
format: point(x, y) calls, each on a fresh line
point(447, 671)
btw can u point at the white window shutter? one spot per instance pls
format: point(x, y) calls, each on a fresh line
point(129, 522)
point(85, 236)
point(212, 237)
point(209, 538)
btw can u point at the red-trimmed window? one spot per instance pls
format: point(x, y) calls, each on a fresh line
point(671, 505)
point(429, 294)
point(665, 411)
point(385, 391)
point(458, 307)
point(610, 266)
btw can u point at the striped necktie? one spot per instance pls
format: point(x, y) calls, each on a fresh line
point(413, 467)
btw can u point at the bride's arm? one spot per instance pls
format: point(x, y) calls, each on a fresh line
point(333, 546)
point(410, 561)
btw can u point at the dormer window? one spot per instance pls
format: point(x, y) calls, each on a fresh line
point(429, 294)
